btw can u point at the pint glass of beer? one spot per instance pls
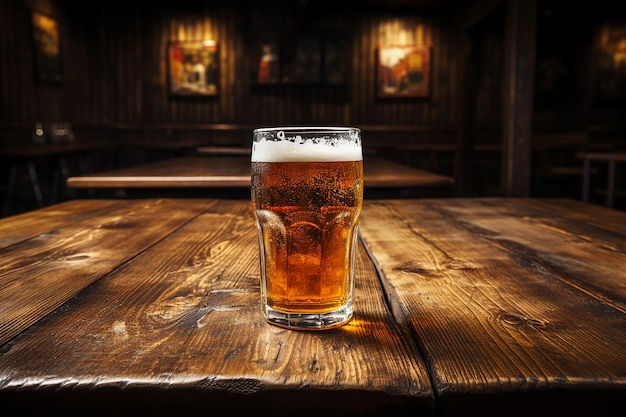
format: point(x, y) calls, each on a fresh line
point(307, 193)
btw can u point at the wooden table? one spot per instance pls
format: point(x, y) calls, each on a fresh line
point(463, 307)
point(224, 150)
point(234, 171)
point(611, 158)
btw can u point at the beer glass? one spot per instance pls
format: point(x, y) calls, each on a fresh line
point(307, 193)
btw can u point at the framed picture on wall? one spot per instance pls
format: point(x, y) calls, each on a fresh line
point(47, 48)
point(403, 71)
point(610, 63)
point(268, 60)
point(193, 68)
point(335, 63)
point(282, 58)
point(301, 60)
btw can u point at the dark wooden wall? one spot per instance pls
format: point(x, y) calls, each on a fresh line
point(115, 73)
point(115, 69)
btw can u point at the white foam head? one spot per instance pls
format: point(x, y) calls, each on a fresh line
point(307, 145)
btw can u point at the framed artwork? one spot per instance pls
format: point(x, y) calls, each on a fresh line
point(47, 48)
point(302, 60)
point(193, 68)
point(335, 65)
point(550, 76)
point(610, 65)
point(403, 71)
point(312, 59)
point(268, 63)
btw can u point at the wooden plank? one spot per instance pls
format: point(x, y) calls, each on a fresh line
point(224, 150)
point(234, 171)
point(180, 327)
point(610, 220)
point(25, 226)
point(510, 304)
point(585, 256)
point(173, 172)
point(41, 273)
point(378, 172)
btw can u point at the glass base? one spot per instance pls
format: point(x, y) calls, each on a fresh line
point(307, 321)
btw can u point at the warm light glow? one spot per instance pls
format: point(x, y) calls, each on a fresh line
point(354, 325)
point(395, 32)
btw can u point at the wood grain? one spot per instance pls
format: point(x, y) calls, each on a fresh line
point(176, 325)
point(490, 306)
point(43, 272)
point(234, 171)
point(24, 226)
point(511, 302)
point(127, 80)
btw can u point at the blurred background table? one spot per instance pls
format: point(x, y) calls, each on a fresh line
point(57, 161)
point(610, 158)
point(233, 172)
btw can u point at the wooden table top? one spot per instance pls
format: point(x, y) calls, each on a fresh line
point(603, 156)
point(463, 307)
point(234, 171)
point(48, 149)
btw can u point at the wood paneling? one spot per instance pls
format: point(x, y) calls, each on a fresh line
point(115, 73)
point(115, 70)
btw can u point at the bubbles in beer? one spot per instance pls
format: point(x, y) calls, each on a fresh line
point(307, 190)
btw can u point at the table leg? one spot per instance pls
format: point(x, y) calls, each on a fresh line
point(586, 169)
point(34, 182)
point(10, 189)
point(32, 172)
point(610, 183)
point(61, 173)
point(84, 165)
point(65, 173)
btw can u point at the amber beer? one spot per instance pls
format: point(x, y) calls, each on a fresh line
point(307, 190)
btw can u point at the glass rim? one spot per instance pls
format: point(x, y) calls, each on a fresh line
point(308, 129)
